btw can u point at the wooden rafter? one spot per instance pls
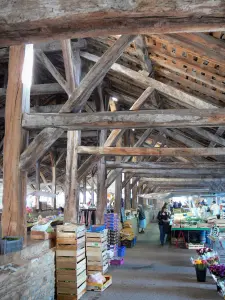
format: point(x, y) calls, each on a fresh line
point(136, 151)
point(127, 119)
point(77, 99)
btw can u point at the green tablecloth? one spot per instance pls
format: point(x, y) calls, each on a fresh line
point(191, 228)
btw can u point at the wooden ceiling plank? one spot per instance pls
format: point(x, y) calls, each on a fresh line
point(178, 66)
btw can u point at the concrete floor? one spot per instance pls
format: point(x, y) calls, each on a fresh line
point(157, 273)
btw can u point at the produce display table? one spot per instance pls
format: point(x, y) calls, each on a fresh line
point(188, 229)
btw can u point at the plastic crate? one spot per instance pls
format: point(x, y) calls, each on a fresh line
point(121, 251)
point(96, 228)
point(117, 261)
point(9, 246)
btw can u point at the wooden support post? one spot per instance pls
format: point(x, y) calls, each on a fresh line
point(127, 191)
point(72, 188)
point(134, 195)
point(53, 162)
point(15, 141)
point(92, 189)
point(38, 185)
point(71, 183)
point(84, 190)
point(101, 175)
point(118, 188)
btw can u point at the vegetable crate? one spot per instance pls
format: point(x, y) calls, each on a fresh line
point(42, 235)
point(98, 287)
point(71, 274)
point(96, 249)
point(11, 244)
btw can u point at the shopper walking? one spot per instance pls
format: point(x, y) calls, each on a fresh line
point(142, 219)
point(164, 223)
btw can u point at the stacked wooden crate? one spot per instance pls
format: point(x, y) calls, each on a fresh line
point(96, 249)
point(71, 271)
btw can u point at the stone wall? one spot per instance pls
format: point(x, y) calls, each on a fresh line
point(34, 278)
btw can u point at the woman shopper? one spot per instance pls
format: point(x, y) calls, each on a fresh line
point(164, 223)
point(142, 219)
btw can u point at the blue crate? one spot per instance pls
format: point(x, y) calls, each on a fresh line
point(7, 246)
point(121, 251)
point(97, 228)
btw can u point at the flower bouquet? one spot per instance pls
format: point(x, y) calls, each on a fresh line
point(218, 271)
point(204, 251)
point(200, 268)
point(218, 274)
point(213, 260)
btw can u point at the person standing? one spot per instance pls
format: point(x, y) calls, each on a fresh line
point(215, 209)
point(164, 223)
point(141, 218)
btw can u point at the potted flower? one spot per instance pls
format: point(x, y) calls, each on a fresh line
point(200, 268)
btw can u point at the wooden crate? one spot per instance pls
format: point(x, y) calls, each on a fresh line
point(42, 235)
point(102, 245)
point(70, 262)
point(96, 287)
point(101, 234)
point(70, 297)
point(68, 253)
point(93, 269)
point(97, 256)
point(70, 231)
point(71, 275)
point(69, 289)
point(100, 239)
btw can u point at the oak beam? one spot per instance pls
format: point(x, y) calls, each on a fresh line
point(101, 173)
point(186, 181)
point(165, 165)
point(38, 21)
point(72, 189)
point(136, 151)
point(15, 141)
point(38, 185)
point(169, 118)
point(118, 188)
point(78, 98)
point(178, 172)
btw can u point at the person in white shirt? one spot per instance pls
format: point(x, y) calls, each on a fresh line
point(215, 209)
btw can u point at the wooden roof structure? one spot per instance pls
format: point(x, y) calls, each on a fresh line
point(142, 81)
